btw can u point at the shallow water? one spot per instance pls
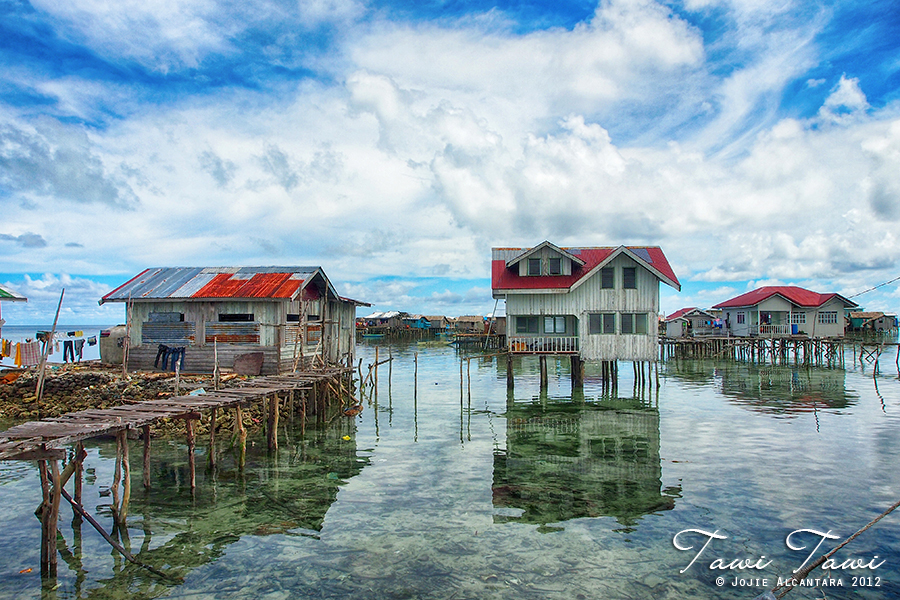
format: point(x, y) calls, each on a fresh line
point(450, 491)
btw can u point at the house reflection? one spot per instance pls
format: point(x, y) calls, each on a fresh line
point(566, 460)
point(771, 389)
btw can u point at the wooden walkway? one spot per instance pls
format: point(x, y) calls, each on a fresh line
point(46, 439)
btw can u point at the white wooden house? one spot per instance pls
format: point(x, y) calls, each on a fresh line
point(689, 322)
point(289, 314)
point(783, 310)
point(594, 303)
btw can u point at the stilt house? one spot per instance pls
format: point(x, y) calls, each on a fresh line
point(595, 303)
point(785, 310)
point(289, 315)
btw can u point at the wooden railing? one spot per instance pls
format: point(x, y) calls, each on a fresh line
point(547, 344)
point(774, 330)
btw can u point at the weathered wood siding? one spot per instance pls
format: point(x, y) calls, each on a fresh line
point(269, 332)
point(588, 298)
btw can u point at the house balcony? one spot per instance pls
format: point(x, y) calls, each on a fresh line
point(774, 330)
point(530, 344)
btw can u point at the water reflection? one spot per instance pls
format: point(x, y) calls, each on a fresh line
point(286, 493)
point(770, 389)
point(567, 460)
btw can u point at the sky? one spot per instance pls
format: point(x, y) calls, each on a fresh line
point(393, 143)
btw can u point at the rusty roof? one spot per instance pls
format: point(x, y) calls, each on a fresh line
point(216, 283)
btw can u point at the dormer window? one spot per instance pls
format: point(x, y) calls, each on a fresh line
point(534, 266)
point(556, 266)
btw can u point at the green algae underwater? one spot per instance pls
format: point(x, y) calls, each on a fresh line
point(448, 489)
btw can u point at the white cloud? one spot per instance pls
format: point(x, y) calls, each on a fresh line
point(845, 103)
point(163, 35)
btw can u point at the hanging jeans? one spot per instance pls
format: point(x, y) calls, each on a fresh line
point(79, 348)
point(161, 351)
point(176, 354)
point(68, 351)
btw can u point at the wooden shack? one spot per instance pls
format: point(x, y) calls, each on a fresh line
point(291, 316)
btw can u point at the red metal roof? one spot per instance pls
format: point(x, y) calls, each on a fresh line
point(793, 294)
point(503, 278)
point(680, 313)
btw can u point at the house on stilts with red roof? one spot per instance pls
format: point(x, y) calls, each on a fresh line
point(783, 311)
point(595, 304)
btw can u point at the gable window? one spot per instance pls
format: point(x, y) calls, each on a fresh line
point(236, 318)
point(602, 323)
point(556, 266)
point(629, 278)
point(828, 317)
point(634, 323)
point(526, 324)
point(554, 324)
point(607, 278)
point(534, 266)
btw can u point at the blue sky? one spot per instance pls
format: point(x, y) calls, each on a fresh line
point(394, 143)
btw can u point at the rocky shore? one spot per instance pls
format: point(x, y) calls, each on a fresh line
point(81, 387)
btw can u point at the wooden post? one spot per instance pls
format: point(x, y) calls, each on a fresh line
point(212, 437)
point(79, 470)
point(122, 440)
point(416, 373)
point(192, 467)
point(272, 426)
point(577, 367)
point(542, 361)
point(39, 391)
point(510, 378)
point(145, 433)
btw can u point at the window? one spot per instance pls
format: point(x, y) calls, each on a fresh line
point(534, 266)
point(828, 317)
point(740, 318)
point(236, 317)
point(797, 318)
point(556, 266)
point(602, 323)
point(607, 278)
point(629, 278)
point(526, 324)
point(165, 317)
point(554, 324)
point(634, 323)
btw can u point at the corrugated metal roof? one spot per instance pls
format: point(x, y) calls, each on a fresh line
point(11, 296)
point(795, 295)
point(504, 278)
point(173, 283)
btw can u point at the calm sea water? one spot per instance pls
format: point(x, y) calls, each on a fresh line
point(449, 492)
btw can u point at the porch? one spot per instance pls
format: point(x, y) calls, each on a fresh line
point(531, 344)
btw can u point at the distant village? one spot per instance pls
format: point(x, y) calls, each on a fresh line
point(588, 303)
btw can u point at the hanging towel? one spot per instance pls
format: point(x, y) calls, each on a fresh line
point(18, 359)
point(31, 353)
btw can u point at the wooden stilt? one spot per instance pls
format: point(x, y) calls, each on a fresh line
point(49, 518)
point(510, 379)
point(79, 470)
point(145, 434)
point(122, 440)
point(542, 362)
point(272, 427)
point(189, 426)
point(212, 438)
